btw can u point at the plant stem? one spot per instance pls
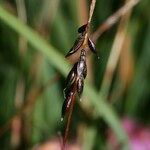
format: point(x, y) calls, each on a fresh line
point(92, 7)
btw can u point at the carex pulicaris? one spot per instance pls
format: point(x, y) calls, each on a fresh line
point(75, 82)
point(80, 40)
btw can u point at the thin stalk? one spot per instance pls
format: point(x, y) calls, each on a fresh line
point(92, 7)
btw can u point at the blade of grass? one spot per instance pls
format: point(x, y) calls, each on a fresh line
point(115, 54)
point(89, 137)
point(57, 60)
point(111, 20)
point(36, 41)
point(136, 92)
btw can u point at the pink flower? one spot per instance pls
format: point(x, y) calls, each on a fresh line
point(55, 144)
point(139, 135)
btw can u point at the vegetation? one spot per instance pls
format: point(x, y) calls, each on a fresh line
point(36, 35)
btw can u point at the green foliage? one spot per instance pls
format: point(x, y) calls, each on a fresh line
point(44, 58)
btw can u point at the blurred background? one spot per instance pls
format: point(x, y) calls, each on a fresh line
point(31, 89)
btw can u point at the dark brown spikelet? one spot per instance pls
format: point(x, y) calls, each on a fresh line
point(74, 82)
point(92, 46)
point(83, 28)
point(78, 43)
point(81, 72)
point(75, 79)
point(80, 40)
point(71, 76)
point(82, 67)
